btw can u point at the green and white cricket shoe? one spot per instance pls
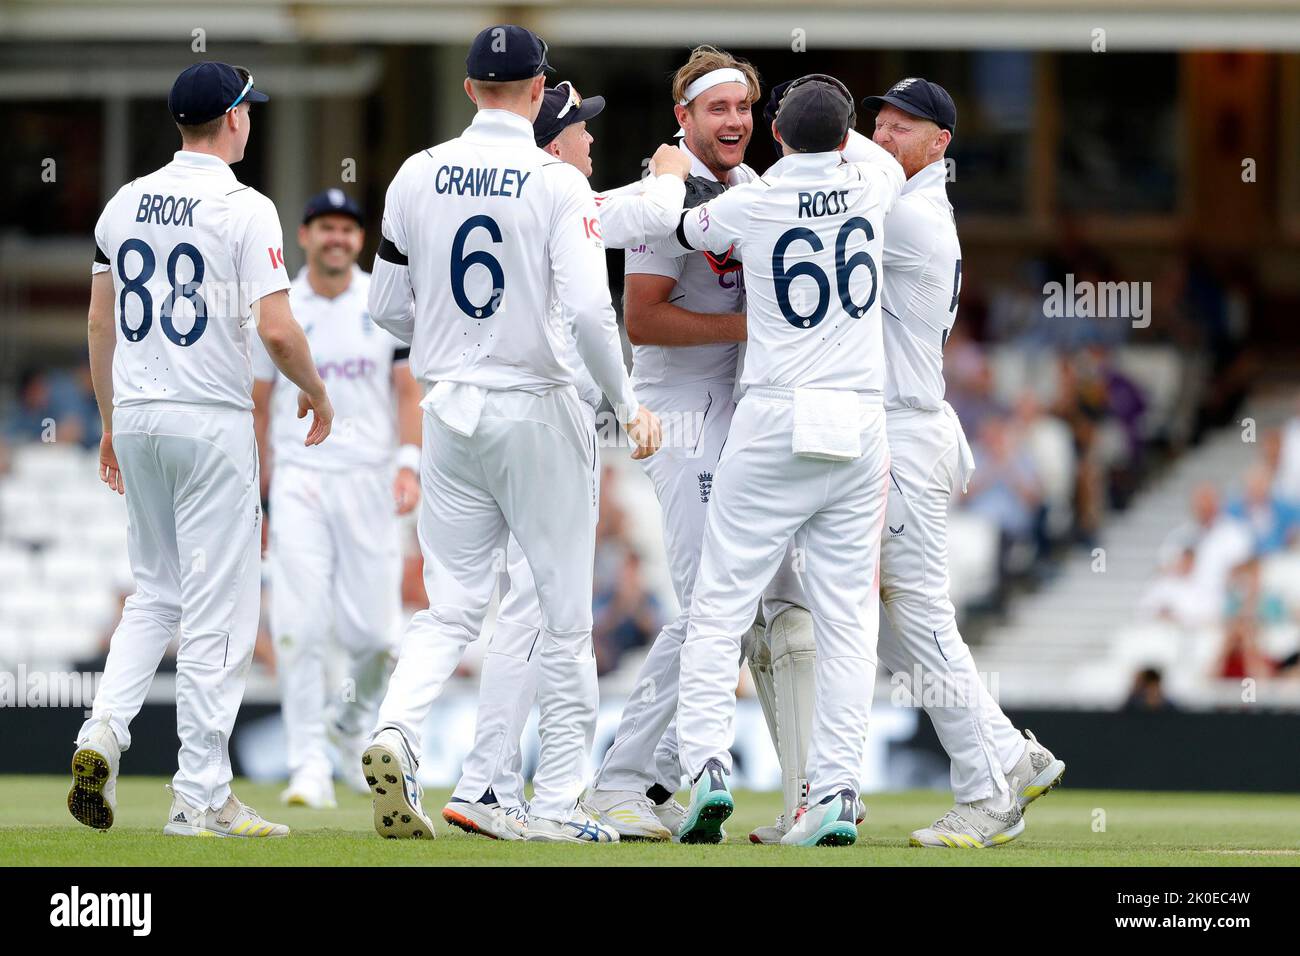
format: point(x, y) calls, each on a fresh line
point(1035, 773)
point(390, 773)
point(830, 822)
point(93, 797)
point(234, 819)
point(969, 826)
point(770, 836)
point(630, 812)
point(711, 803)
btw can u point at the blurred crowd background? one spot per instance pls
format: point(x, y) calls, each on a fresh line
point(1131, 538)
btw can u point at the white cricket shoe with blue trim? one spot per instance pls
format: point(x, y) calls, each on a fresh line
point(390, 773)
point(581, 827)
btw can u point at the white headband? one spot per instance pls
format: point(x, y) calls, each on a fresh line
point(709, 80)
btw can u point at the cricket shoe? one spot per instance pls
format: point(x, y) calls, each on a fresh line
point(632, 814)
point(486, 817)
point(311, 791)
point(234, 819)
point(711, 804)
point(580, 827)
point(390, 773)
point(1035, 773)
point(93, 797)
point(969, 826)
point(830, 822)
point(768, 836)
point(671, 814)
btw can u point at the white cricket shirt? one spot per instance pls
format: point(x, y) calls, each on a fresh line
point(477, 234)
point(810, 233)
point(922, 282)
point(355, 359)
point(698, 289)
point(190, 250)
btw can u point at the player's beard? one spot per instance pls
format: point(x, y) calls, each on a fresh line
point(706, 150)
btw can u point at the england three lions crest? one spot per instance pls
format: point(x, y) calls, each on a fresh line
point(706, 486)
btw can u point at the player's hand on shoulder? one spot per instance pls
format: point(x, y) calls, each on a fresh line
point(669, 160)
point(322, 416)
point(109, 472)
point(646, 432)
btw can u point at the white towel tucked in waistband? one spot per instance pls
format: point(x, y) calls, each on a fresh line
point(457, 405)
point(827, 424)
point(965, 458)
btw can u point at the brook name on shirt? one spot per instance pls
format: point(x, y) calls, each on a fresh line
point(166, 210)
point(477, 181)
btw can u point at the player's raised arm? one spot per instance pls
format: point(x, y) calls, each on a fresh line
point(288, 348)
point(578, 266)
point(873, 158)
point(649, 210)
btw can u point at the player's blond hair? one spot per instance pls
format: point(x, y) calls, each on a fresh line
point(705, 59)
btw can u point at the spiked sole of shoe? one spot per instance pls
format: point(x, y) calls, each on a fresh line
point(395, 818)
point(90, 774)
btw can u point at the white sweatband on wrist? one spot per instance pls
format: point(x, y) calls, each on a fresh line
point(408, 456)
point(728, 74)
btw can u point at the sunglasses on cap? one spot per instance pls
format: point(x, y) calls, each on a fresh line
point(248, 85)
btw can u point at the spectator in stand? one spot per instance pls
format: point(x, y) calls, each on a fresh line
point(1006, 490)
point(33, 411)
point(1220, 541)
point(1272, 521)
point(1174, 597)
point(1048, 443)
point(1148, 693)
point(626, 615)
point(1242, 656)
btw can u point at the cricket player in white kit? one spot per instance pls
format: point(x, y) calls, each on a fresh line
point(489, 798)
point(996, 772)
point(478, 233)
point(187, 261)
point(685, 319)
point(806, 459)
point(335, 553)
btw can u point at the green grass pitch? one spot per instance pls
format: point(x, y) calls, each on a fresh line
point(1065, 828)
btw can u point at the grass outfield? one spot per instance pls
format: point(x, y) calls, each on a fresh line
point(1141, 829)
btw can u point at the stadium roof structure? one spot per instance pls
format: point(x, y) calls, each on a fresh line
point(829, 24)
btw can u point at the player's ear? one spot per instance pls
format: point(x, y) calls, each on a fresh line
point(469, 91)
point(681, 112)
point(539, 87)
point(777, 136)
point(302, 236)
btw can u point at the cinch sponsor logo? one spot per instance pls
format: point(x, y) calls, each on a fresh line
point(75, 908)
point(349, 369)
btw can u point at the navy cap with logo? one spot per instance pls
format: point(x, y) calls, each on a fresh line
point(506, 52)
point(562, 107)
point(815, 114)
point(918, 97)
point(332, 202)
point(207, 90)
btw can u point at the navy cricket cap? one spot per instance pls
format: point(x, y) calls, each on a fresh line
point(506, 52)
point(207, 90)
point(815, 114)
point(561, 108)
point(332, 202)
point(921, 98)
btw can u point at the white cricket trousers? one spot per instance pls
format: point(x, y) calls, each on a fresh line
point(512, 678)
point(765, 496)
point(526, 471)
point(194, 530)
point(644, 751)
point(336, 566)
point(925, 644)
